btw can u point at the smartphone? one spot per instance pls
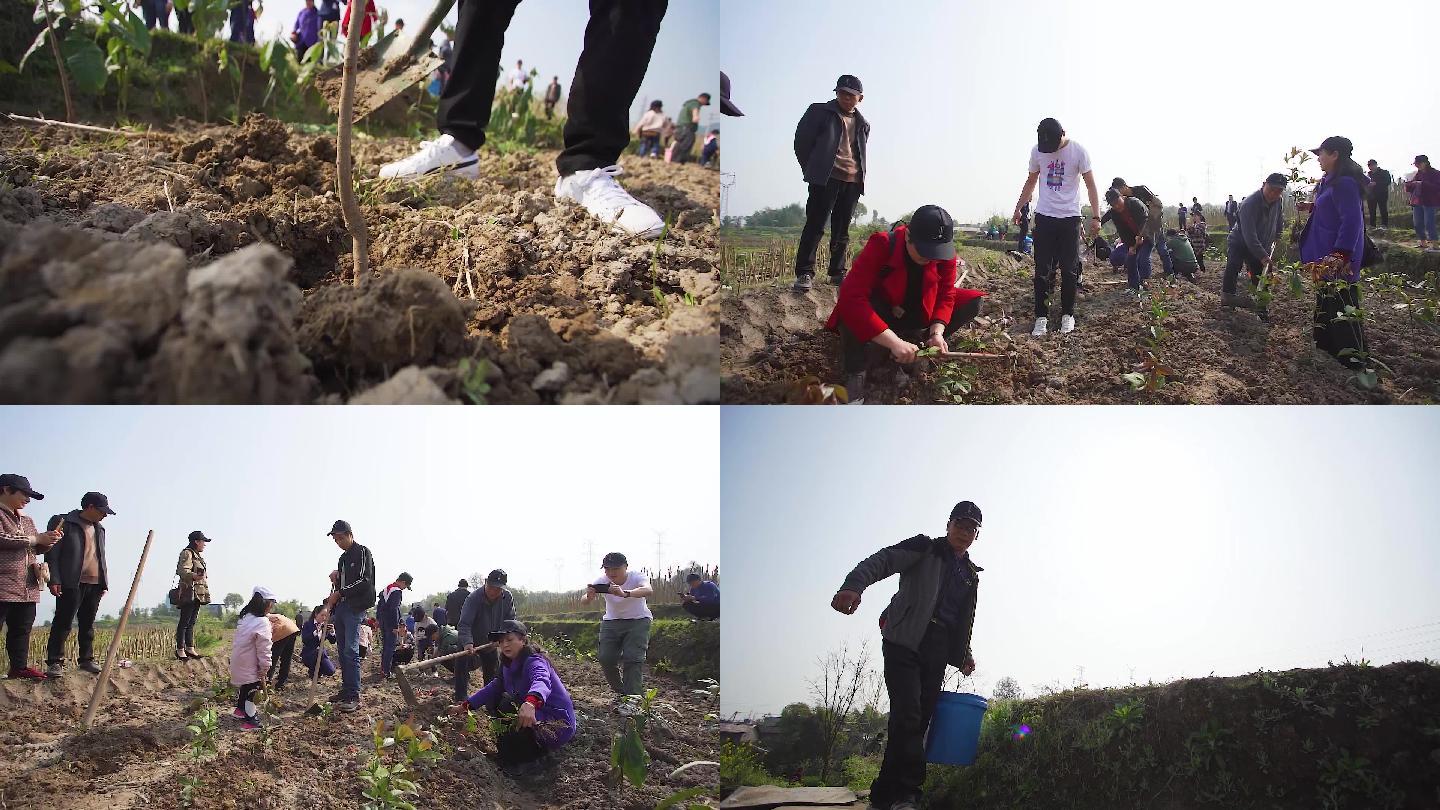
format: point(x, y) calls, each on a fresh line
point(600, 587)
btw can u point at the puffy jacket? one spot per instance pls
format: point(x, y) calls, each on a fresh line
point(1425, 187)
point(250, 650)
point(1336, 225)
point(67, 557)
point(880, 270)
point(922, 563)
point(479, 615)
point(817, 139)
point(532, 675)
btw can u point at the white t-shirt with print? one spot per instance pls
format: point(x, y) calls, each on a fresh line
point(634, 607)
point(1059, 182)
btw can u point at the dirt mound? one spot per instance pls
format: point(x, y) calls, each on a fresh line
point(772, 337)
point(138, 749)
point(636, 320)
point(89, 318)
point(1341, 737)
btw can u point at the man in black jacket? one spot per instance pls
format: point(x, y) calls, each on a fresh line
point(352, 595)
point(1378, 195)
point(830, 145)
point(926, 626)
point(78, 578)
point(455, 602)
point(482, 614)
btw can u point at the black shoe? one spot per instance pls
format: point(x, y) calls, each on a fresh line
point(836, 279)
point(855, 388)
point(91, 667)
point(803, 282)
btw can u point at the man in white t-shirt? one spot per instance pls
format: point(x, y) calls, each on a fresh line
point(1057, 219)
point(625, 630)
point(518, 78)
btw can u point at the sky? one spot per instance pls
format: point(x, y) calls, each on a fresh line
point(548, 35)
point(1136, 543)
point(1192, 101)
point(438, 492)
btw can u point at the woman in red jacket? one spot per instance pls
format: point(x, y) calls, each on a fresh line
point(901, 290)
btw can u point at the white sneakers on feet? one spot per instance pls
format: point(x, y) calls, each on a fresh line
point(1041, 324)
point(440, 155)
point(604, 198)
point(1067, 323)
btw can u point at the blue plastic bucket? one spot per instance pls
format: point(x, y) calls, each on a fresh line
point(955, 729)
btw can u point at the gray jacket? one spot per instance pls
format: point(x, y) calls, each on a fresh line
point(1259, 225)
point(480, 615)
point(67, 557)
point(817, 139)
point(922, 563)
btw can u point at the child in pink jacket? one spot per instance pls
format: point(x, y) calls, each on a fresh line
point(250, 655)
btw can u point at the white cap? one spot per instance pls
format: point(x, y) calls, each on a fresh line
point(265, 593)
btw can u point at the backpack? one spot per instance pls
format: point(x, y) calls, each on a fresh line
point(1102, 248)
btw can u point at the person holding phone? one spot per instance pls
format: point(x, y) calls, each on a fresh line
point(701, 598)
point(926, 627)
point(625, 629)
point(20, 583)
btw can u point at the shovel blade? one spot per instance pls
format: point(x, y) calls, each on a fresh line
point(379, 83)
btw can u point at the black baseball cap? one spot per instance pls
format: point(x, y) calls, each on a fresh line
point(97, 500)
point(1371, 162)
point(497, 577)
point(1277, 180)
point(199, 535)
point(20, 482)
point(1421, 159)
point(1335, 143)
point(340, 526)
point(464, 583)
point(1048, 134)
point(406, 578)
point(850, 83)
point(727, 107)
point(966, 510)
point(932, 232)
point(614, 560)
point(692, 577)
point(508, 626)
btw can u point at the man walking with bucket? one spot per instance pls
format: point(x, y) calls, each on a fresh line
point(926, 627)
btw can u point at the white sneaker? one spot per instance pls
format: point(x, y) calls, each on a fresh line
point(440, 155)
point(1041, 324)
point(608, 201)
point(1067, 323)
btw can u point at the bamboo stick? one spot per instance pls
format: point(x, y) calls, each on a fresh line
point(104, 682)
point(83, 127)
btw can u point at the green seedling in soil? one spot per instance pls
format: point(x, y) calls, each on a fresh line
point(473, 375)
point(1423, 304)
point(471, 724)
point(675, 799)
point(386, 786)
point(188, 786)
point(628, 757)
point(205, 725)
point(661, 302)
point(129, 44)
point(1153, 372)
point(503, 722)
point(955, 382)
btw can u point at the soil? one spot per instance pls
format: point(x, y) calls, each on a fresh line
point(138, 746)
point(126, 262)
point(772, 338)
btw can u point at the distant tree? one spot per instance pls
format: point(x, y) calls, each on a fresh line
point(859, 215)
point(234, 601)
point(476, 580)
point(791, 216)
point(1007, 688)
point(845, 683)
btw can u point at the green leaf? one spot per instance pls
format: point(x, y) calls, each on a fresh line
point(86, 63)
point(1136, 380)
point(675, 799)
point(6, 67)
point(1368, 379)
point(628, 755)
point(34, 46)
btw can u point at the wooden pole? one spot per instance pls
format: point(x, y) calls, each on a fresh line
point(404, 682)
point(104, 682)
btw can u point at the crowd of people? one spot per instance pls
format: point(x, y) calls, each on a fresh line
point(69, 560)
point(659, 136)
point(900, 292)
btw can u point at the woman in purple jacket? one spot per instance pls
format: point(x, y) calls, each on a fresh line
point(1424, 190)
point(529, 689)
point(1332, 245)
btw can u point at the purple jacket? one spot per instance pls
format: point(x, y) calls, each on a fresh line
point(533, 675)
point(1428, 182)
point(307, 24)
point(1336, 224)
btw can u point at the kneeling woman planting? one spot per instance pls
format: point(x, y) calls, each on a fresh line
point(529, 694)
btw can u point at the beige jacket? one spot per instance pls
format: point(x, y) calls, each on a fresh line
point(191, 566)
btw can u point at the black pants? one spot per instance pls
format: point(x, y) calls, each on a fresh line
point(1230, 222)
point(1057, 246)
point(618, 41)
point(184, 23)
point(702, 611)
point(185, 629)
point(913, 681)
point(1024, 231)
point(245, 701)
point(1381, 204)
point(684, 145)
point(1333, 336)
point(1236, 255)
point(489, 669)
point(82, 601)
point(19, 617)
point(834, 201)
point(280, 654)
point(516, 745)
point(854, 353)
